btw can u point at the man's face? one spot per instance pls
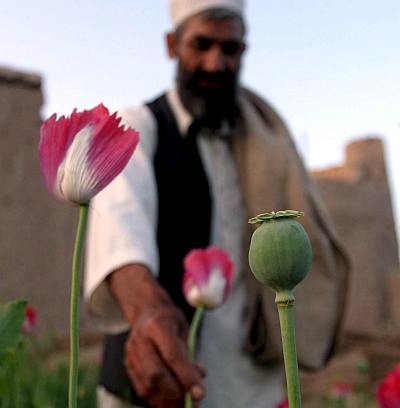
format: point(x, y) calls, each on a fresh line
point(209, 56)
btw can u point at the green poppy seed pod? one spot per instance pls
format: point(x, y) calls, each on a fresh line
point(280, 251)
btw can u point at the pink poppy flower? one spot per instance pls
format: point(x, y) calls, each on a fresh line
point(283, 404)
point(388, 391)
point(208, 277)
point(82, 153)
point(29, 324)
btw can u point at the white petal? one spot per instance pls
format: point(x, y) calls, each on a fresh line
point(211, 294)
point(75, 181)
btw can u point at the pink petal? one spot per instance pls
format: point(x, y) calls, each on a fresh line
point(284, 403)
point(208, 277)
point(53, 145)
point(30, 319)
point(109, 150)
point(388, 391)
point(196, 271)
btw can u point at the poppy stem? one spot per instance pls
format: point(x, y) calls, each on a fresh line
point(285, 303)
point(74, 307)
point(194, 327)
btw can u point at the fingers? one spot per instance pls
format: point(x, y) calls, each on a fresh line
point(201, 369)
point(152, 380)
point(157, 362)
point(156, 354)
point(174, 354)
point(173, 351)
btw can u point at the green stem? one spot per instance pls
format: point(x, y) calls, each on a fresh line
point(285, 303)
point(74, 307)
point(194, 327)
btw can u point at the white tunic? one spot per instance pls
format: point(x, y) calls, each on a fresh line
point(122, 230)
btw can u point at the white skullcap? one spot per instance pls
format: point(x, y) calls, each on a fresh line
point(182, 9)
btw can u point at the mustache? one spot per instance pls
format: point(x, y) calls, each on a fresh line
point(222, 78)
point(211, 100)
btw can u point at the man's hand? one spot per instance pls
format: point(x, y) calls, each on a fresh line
point(155, 353)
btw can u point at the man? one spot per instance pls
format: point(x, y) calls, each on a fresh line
point(212, 154)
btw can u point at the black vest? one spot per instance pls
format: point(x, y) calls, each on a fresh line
point(184, 217)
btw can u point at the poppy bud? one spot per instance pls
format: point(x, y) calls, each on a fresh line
point(280, 251)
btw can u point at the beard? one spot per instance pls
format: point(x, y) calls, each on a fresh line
point(209, 97)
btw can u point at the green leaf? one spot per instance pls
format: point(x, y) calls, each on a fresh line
point(12, 315)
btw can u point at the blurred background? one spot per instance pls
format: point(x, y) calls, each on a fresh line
point(330, 68)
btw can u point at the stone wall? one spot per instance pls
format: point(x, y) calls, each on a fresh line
point(358, 198)
point(36, 232)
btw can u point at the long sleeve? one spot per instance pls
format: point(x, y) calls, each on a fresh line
point(122, 225)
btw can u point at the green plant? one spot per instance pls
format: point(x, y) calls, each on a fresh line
point(27, 381)
point(280, 257)
point(12, 315)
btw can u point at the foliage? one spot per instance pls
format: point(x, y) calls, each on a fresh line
point(27, 381)
point(12, 315)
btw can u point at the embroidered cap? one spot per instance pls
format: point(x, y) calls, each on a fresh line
point(182, 9)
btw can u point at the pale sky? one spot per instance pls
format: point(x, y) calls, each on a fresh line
point(330, 68)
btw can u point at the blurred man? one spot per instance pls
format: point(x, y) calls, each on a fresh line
point(212, 154)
